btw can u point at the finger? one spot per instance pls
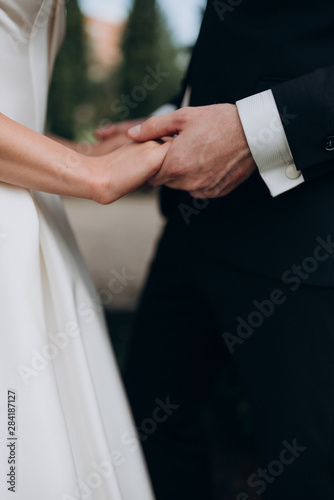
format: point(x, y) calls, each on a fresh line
point(111, 144)
point(200, 195)
point(116, 128)
point(203, 194)
point(133, 175)
point(160, 179)
point(228, 184)
point(105, 132)
point(158, 126)
point(163, 176)
point(217, 192)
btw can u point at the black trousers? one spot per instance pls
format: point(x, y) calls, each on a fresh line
point(195, 311)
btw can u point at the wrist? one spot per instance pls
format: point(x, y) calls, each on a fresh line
point(243, 146)
point(81, 176)
point(94, 180)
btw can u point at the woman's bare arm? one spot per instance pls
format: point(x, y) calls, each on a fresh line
point(33, 161)
point(100, 147)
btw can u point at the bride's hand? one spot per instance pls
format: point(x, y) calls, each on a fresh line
point(32, 161)
point(113, 176)
point(112, 137)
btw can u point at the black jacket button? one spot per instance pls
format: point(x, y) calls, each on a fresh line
point(329, 143)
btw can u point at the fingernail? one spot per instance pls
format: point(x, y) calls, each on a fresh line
point(135, 131)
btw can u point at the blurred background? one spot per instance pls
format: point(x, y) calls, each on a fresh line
point(109, 49)
point(100, 77)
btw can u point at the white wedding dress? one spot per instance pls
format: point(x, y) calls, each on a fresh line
point(66, 432)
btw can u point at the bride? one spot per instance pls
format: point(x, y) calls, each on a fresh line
point(65, 425)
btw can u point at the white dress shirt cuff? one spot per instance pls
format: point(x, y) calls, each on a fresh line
point(268, 142)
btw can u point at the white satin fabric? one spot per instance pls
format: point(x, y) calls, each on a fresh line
point(75, 435)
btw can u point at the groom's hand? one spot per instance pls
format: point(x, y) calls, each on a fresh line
point(209, 157)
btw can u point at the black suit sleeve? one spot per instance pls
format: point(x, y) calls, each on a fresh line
point(306, 107)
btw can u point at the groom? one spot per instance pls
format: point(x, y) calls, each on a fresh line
point(244, 268)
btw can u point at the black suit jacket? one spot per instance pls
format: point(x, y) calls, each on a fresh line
point(244, 47)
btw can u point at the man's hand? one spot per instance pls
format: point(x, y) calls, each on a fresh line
point(209, 157)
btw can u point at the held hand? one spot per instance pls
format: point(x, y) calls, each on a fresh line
point(36, 162)
point(112, 137)
point(209, 157)
point(113, 176)
point(114, 129)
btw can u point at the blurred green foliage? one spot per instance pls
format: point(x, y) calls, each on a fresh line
point(149, 75)
point(69, 85)
point(77, 105)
